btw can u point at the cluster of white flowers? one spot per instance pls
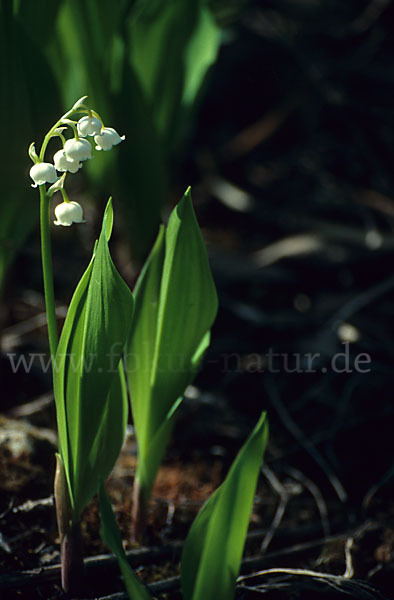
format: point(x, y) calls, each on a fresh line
point(70, 158)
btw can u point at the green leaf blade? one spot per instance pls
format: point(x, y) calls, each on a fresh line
point(187, 309)
point(88, 391)
point(176, 304)
point(213, 549)
point(141, 346)
point(111, 431)
point(200, 54)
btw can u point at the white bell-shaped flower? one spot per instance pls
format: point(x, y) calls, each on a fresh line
point(63, 163)
point(43, 173)
point(68, 213)
point(78, 149)
point(89, 126)
point(108, 138)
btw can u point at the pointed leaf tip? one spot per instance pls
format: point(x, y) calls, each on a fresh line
point(185, 204)
point(108, 219)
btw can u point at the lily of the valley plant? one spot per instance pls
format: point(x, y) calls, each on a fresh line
point(162, 336)
point(91, 404)
point(175, 307)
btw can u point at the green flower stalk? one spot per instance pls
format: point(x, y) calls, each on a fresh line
point(91, 403)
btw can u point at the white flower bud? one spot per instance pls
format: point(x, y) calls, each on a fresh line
point(63, 163)
point(108, 138)
point(67, 213)
point(43, 173)
point(78, 149)
point(33, 154)
point(89, 126)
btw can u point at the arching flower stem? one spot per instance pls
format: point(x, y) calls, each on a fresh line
point(78, 107)
point(64, 195)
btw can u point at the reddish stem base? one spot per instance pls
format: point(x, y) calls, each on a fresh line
point(139, 514)
point(72, 561)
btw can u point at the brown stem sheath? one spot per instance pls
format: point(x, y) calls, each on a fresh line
point(139, 513)
point(70, 534)
point(72, 561)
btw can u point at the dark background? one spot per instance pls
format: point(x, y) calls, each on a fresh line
point(290, 157)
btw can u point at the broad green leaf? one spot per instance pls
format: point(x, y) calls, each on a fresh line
point(159, 33)
point(187, 308)
point(111, 430)
point(90, 394)
point(200, 54)
point(141, 347)
point(213, 549)
point(176, 304)
point(110, 534)
point(171, 47)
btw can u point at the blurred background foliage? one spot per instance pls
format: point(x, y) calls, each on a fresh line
point(279, 111)
point(142, 64)
point(280, 115)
